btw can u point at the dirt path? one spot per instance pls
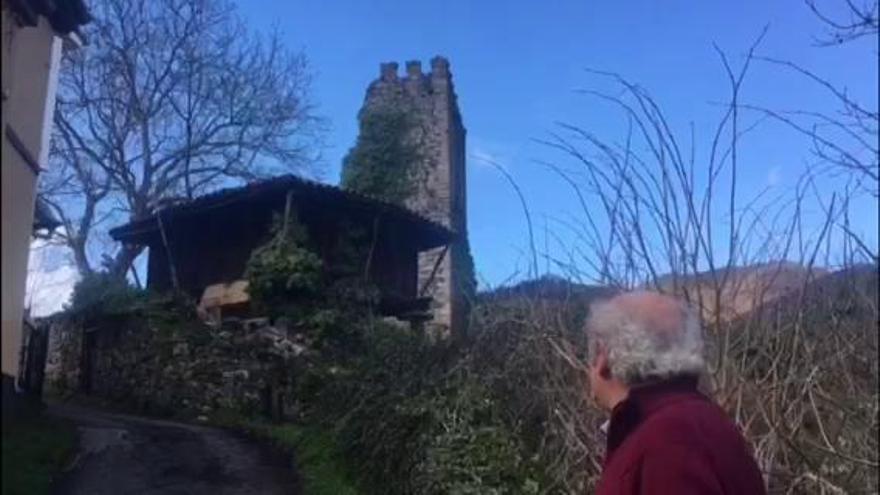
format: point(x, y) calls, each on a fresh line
point(121, 454)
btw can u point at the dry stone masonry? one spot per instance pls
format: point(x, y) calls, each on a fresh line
point(241, 366)
point(440, 194)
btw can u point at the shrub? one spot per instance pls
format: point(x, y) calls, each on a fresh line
point(283, 272)
point(412, 417)
point(468, 448)
point(101, 293)
point(526, 350)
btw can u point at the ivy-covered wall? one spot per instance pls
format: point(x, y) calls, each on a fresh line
point(384, 162)
point(412, 145)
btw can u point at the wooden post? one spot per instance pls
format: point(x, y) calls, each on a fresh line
point(373, 241)
point(171, 267)
point(286, 223)
point(434, 270)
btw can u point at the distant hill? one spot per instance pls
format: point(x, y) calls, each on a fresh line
point(851, 291)
point(549, 288)
point(747, 289)
point(552, 303)
point(743, 288)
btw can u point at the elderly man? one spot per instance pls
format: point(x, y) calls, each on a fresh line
point(664, 437)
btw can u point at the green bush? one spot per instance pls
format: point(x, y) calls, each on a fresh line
point(317, 459)
point(412, 417)
point(103, 294)
point(469, 449)
point(283, 273)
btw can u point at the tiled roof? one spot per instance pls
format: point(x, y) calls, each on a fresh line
point(306, 190)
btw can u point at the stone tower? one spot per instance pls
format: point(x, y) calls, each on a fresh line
point(440, 190)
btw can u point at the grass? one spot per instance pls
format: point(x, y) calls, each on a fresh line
point(318, 460)
point(35, 450)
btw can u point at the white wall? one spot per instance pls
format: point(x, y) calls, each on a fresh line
point(30, 61)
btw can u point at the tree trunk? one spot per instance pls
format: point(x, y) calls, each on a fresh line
point(78, 246)
point(123, 260)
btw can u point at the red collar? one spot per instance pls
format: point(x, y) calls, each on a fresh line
point(644, 400)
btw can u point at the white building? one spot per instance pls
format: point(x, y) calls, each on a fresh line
point(34, 34)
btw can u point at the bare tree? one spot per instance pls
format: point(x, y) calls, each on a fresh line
point(169, 99)
point(843, 142)
point(860, 18)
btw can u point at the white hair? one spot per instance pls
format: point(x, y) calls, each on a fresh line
point(638, 353)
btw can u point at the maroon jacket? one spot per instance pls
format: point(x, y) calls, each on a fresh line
point(668, 438)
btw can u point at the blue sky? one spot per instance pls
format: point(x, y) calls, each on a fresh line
point(517, 66)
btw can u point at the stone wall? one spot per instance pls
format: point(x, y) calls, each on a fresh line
point(243, 366)
point(63, 359)
point(440, 192)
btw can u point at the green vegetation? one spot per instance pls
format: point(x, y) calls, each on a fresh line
point(376, 405)
point(384, 161)
point(283, 273)
point(287, 280)
point(316, 455)
point(102, 294)
point(35, 450)
point(465, 276)
point(401, 413)
point(413, 417)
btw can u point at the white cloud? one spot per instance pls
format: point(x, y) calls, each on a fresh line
point(483, 157)
point(49, 282)
point(486, 153)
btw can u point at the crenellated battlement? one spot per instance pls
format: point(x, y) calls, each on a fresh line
point(414, 80)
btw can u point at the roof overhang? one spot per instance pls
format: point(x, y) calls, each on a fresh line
point(65, 16)
point(429, 234)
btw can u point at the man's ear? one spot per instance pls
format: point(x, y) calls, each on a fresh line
point(602, 363)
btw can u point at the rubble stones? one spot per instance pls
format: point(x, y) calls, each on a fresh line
point(225, 368)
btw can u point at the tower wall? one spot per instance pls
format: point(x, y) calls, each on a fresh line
point(440, 192)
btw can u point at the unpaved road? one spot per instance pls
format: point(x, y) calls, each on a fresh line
point(121, 454)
